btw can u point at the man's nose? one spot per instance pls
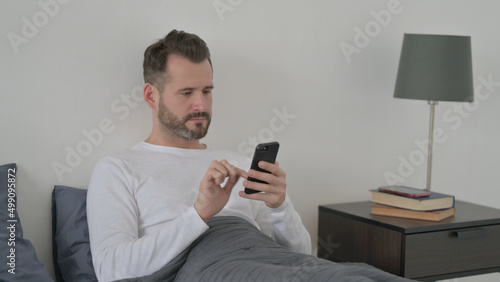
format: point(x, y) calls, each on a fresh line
point(200, 102)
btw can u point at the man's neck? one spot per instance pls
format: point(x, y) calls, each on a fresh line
point(174, 141)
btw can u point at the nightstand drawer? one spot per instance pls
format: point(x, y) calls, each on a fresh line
point(457, 250)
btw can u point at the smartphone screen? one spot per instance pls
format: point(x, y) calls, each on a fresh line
point(263, 152)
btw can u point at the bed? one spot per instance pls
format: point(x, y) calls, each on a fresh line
point(231, 250)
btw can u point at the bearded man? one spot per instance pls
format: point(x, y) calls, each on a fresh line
point(147, 204)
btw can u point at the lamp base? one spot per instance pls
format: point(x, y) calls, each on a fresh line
point(431, 142)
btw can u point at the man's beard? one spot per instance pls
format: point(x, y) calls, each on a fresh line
point(178, 127)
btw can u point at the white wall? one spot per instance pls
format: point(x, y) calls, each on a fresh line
point(80, 65)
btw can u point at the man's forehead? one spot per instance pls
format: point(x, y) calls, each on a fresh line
point(182, 70)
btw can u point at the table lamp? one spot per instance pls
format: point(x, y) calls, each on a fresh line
point(435, 68)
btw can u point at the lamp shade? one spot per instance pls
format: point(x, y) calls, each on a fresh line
point(435, 68)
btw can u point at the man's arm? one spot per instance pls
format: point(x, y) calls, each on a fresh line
point(118, 250)
point(288, 229)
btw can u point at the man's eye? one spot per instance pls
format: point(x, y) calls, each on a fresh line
point(186, 93)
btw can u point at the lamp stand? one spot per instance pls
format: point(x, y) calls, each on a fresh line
point(431, 142)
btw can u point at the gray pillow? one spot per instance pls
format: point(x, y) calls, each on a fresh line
point(18, 260)
point(70, 235)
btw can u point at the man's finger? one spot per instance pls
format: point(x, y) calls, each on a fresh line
point(272, 168)
point(263, 176)
point(217, 172)
point(234, 174)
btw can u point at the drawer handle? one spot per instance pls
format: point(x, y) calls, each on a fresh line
point(470, 234)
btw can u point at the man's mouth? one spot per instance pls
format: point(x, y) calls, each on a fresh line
point(199, 117)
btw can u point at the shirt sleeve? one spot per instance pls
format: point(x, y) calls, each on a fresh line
point(284, 225)
point(118, 250)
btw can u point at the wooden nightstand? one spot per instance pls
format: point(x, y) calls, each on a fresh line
point(465, 244)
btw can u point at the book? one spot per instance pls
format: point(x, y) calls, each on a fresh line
point(436, 215)
point(404, 191)
point(435, 201)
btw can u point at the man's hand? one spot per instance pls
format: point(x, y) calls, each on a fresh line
point(274, 192)
point(212, 196)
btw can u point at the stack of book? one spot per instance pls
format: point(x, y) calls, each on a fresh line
point(433, 207)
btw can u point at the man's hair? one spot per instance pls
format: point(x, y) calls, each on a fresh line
point(180, 43)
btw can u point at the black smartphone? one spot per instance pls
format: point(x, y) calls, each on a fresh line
point(263, 152)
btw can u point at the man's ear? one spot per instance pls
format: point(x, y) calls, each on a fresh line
point(151, 95)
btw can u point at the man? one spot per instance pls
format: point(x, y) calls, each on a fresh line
point(148, 203)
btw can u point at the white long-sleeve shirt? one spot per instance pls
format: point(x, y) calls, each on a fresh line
point(140, 209)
